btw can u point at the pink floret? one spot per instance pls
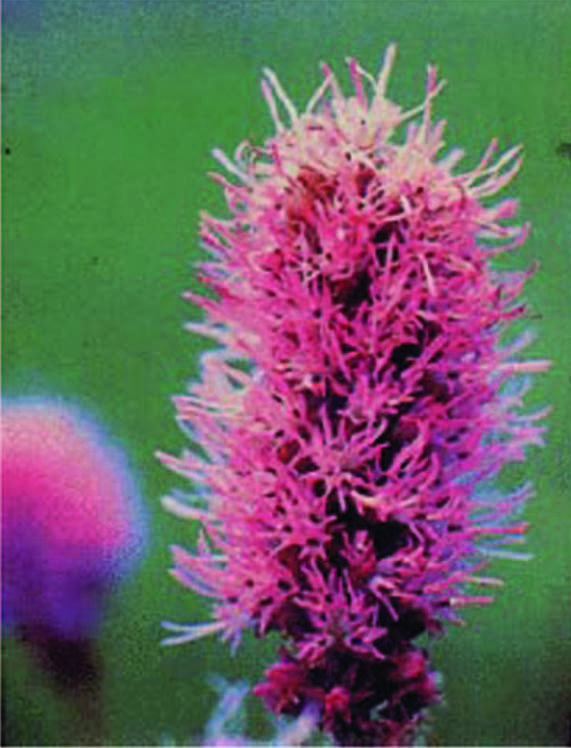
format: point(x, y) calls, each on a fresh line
point(343, 468)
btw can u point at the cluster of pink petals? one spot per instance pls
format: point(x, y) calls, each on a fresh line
point(341, 482)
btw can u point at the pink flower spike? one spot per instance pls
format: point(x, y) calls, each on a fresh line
point(358, 402)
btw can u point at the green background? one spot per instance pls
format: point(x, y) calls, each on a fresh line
point(110, 111)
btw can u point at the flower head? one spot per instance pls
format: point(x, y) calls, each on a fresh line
point(344, 467)
point(71, 526)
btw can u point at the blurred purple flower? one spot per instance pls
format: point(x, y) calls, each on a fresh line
point(71, 529)
point(344, 490)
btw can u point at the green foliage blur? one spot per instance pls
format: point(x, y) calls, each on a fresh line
point(110, 111)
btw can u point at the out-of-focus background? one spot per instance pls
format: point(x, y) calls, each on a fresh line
point(110, 111)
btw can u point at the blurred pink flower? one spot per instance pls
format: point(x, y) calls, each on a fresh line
point(71, 526)
point(342, 482)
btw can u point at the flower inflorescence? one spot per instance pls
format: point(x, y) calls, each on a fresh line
point(343, 466)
